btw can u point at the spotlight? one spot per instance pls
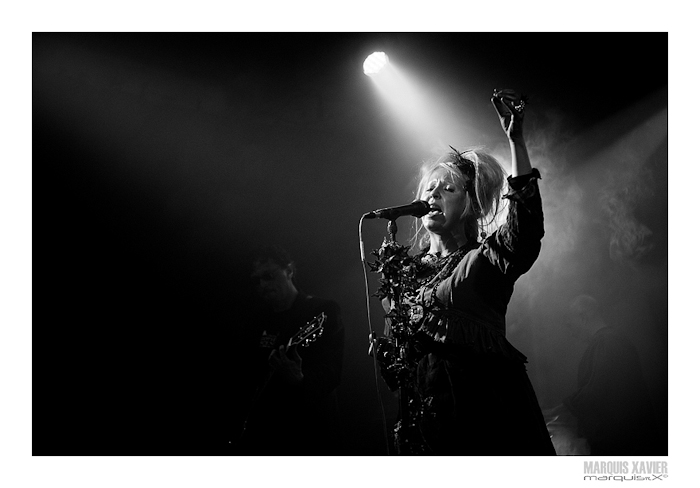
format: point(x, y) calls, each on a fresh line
point(374, 63)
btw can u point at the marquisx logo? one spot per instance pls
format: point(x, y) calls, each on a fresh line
point(625, 470)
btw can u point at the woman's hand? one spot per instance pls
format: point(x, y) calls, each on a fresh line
point(510, 106)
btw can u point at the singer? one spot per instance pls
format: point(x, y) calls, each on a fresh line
point(475, 395)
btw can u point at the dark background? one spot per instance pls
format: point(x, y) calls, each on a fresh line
point(161, 159)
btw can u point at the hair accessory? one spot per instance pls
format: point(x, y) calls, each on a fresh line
point(465, 165)
point(468, 168)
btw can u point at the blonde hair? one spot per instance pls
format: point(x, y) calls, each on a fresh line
point(481, 177)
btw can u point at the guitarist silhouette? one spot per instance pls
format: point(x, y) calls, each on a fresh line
point(293, 408)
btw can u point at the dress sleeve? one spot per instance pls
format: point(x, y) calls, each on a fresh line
point(322, 363)
point(515, 245)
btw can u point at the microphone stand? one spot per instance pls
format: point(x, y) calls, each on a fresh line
point(401, 427)
point(398, 367)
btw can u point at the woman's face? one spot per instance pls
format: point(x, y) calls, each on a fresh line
point(447, 198)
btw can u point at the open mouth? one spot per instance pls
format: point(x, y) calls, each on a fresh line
point(434, 210)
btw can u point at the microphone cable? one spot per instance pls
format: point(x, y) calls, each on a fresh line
point(372, 336)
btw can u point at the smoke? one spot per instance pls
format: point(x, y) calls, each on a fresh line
point(629, 239)
point(629, 184)
point(604, 221)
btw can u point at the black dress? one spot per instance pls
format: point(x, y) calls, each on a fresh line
point(474, 390)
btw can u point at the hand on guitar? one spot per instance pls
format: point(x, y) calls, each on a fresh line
point(286, 363)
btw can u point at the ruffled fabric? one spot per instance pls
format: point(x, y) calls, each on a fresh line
point(523, 187)
point(461, 332)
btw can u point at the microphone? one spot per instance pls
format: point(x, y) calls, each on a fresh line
point(416, 209)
